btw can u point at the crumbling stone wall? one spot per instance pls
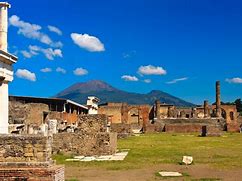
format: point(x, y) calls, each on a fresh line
point(93, 123)
point(28, 157)
point(122, 130)
point(25, 148)
point(85, 144)
point(90, 138)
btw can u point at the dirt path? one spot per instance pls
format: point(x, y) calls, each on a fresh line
point(148, 174)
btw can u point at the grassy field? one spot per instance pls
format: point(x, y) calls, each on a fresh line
point(150, 149)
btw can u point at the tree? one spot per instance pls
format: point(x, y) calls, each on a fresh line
point(238, 104)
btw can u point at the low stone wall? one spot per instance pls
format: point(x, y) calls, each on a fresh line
point(85, 144)
point(122, 130)
point(188, 128)
point(28, 157)
point(25, 148)
point(184, 125)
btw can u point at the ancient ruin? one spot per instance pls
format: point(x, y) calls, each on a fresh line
point(22, 157)
point(161, 117)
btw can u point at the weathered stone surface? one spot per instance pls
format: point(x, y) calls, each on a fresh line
point(51, 173)
point(85, 144)
point(25, 148)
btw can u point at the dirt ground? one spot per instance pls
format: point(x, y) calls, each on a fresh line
point(149, 174)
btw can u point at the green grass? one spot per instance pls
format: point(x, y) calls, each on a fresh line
point(151, 149)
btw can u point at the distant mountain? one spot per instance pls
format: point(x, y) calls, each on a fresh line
point(106, 93)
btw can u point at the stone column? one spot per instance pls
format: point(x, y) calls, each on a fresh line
point(218, 100)
point(6, 70)
point(206, 109)
point(4, 25)
point(3, 107)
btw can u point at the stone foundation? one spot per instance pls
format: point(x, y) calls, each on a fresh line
point(52, 173)
point(28, 157)
point(185, 125)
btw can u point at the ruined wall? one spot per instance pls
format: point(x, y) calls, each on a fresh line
point(122, 130)
point(70, 118)
point(28, 157)
point(90, 137)
point(113, 111)
point(25, 148)
point(185, 125)
point(31, 113)
point(85, 144)
point(91, 124)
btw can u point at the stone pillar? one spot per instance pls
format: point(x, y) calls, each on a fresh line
point(218, 100)
point(157, 109)
point(206, 109)
point(3, 107)
point(194, 112)
point(6, 70)
point(4, 25)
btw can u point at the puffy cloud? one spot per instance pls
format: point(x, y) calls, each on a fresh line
point(25, 74)
point(32, 31)
point(151, 70)
point(177, 80)
point(147, 81)
point(48, 52)
point(45, 70)
point(54, 29)
point(235, 80)
point(80, 71)
point(129, 78)
point(61, 70)
point(90, 43)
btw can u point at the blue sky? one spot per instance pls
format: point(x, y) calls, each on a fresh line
point(178, 46)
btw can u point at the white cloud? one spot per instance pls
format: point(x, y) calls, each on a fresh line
point(80, 71)
point(129, 54)
point(48, 52)
point(45, 70)
point(151, 70)
point(235, 80)
point(147, 81)
point(61, 70)
point(32, 31)
point(26, 54)
point(25, 74)
point(129, 78)
point(90, 43)
point(54, 29)
point(177, 80)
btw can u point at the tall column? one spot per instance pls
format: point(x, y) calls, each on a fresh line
point(6, 71)
point(206, 109)
point(4, 25)
point(218, 100)
point(4, 107)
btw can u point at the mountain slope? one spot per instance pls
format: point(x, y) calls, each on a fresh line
point(106, 93)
